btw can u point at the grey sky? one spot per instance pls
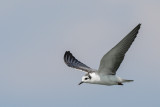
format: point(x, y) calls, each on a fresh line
point(34, 34)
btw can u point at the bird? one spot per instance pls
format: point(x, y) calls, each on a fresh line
point(109, 64)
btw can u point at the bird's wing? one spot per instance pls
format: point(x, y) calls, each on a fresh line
point(112, 60)
point(71, 61)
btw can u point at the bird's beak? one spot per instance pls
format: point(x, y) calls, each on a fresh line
point(80, 83)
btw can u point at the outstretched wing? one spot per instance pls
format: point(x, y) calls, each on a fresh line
point(112, 60)
point(71, 61)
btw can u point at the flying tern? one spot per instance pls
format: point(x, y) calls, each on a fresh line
point(110, 62)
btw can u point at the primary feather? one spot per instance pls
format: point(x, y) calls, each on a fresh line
point(71, 61)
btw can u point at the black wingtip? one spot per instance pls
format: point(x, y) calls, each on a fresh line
point(66, 53)
point(139, 25)
point(136, 28)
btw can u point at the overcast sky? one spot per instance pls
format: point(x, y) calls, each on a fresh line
point(34, 35)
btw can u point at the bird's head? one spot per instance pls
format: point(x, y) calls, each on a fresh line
point(85, 79)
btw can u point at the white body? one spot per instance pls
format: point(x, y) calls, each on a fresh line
point(103, 79)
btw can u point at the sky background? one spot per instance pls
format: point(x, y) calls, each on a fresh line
point(34, 35)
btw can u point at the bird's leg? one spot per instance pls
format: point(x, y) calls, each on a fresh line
point(119, 83)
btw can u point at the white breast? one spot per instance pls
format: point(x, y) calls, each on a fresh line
point(104, 79)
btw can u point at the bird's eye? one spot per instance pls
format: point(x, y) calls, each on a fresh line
point(86, 78)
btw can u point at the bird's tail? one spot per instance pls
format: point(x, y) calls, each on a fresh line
point(124, 80)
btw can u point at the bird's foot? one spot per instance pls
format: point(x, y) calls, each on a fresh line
point(119, 83)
